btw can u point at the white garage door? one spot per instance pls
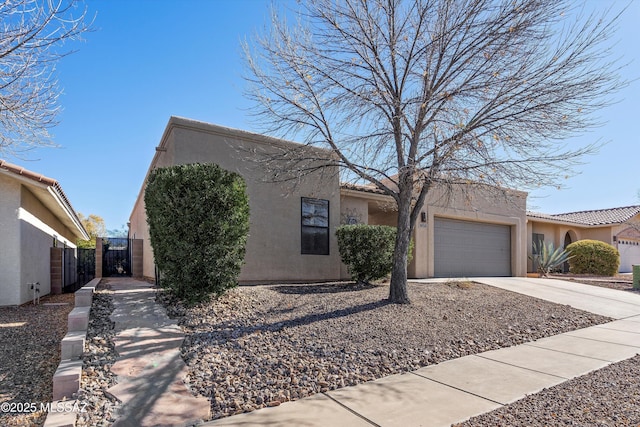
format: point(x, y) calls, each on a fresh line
point(467, 249)
point(629, 254)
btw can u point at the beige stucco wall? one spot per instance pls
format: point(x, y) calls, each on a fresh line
point(353, 210)
point(274, 243)
point(28, 230)
point(10, 256)
point(38, 226)
point(555, 232)
point(628, 230)
point(480, 204)
point(273, 249)
point(30, 203)
point(604, 234)
point(138, 229)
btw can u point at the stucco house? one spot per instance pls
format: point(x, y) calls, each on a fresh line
point(292, 229)
point(619, 227)
point(35, 216)
point(280, 246)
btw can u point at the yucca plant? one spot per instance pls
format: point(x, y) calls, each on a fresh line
point(548, 258)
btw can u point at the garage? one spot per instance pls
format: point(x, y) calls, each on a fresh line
point(469, 248)
point(629, 255)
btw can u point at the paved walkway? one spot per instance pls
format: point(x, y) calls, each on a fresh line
point(456, 390)
point(149, 367)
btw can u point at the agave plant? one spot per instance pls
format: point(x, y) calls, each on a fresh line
point(548, 258)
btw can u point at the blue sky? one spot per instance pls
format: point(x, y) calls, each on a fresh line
point(148, 60)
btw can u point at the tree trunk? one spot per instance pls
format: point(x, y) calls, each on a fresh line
point(398, 288)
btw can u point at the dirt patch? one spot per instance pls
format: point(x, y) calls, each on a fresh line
point(30, 339)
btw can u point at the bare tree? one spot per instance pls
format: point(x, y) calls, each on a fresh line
point(409, 95)
point(32, 34)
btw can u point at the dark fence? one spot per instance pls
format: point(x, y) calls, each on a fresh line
point(116, 257)
point(86, 266)
point(69, 270)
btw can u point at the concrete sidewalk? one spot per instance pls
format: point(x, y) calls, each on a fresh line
point(453, 391)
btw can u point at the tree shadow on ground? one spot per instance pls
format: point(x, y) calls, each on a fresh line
point(229, 331)
point(323, 288)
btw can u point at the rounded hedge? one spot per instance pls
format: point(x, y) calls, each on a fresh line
point(367, 250)
point(198, 216)
point(593, 257)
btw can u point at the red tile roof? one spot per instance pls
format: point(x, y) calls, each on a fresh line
point(593, 217)
point(363, 188)
point(50, 182)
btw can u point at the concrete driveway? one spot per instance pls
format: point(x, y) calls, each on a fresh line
point(603, 301)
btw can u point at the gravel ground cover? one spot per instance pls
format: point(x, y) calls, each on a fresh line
point(621, 285)
point(607, 397)
point(30, 337)
point(99, 355)
point(264, 345)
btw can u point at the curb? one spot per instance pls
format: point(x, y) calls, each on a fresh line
point(67, 378)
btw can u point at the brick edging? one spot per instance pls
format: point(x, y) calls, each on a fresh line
point(67, 378)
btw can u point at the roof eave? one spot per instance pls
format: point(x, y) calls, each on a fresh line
point(574, 223)
point(67, 215)
point(73, 222)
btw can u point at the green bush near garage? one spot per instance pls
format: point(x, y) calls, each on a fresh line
point(367, 250)
point(593, 257)
point(198, 216)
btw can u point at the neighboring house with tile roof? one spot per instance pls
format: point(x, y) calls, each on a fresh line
point(619, 227)
point(35, 216)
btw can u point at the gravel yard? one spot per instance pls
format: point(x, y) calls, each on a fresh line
point(263, 345)
point(621, 285)
point(30, 339)
point(99, 355)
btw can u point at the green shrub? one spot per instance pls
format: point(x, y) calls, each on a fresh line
point(198, 218)
point(593, 257)
point(367, 250)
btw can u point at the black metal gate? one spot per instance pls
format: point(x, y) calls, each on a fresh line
point(116, 256)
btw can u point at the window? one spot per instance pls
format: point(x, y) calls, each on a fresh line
point(538, 241)
point(315, 226)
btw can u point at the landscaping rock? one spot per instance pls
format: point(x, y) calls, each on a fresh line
point(98, 357)
point(264, 345)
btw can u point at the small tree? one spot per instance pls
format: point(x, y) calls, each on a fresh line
point(593, 257)
point(94, 224)
point(198, 218)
